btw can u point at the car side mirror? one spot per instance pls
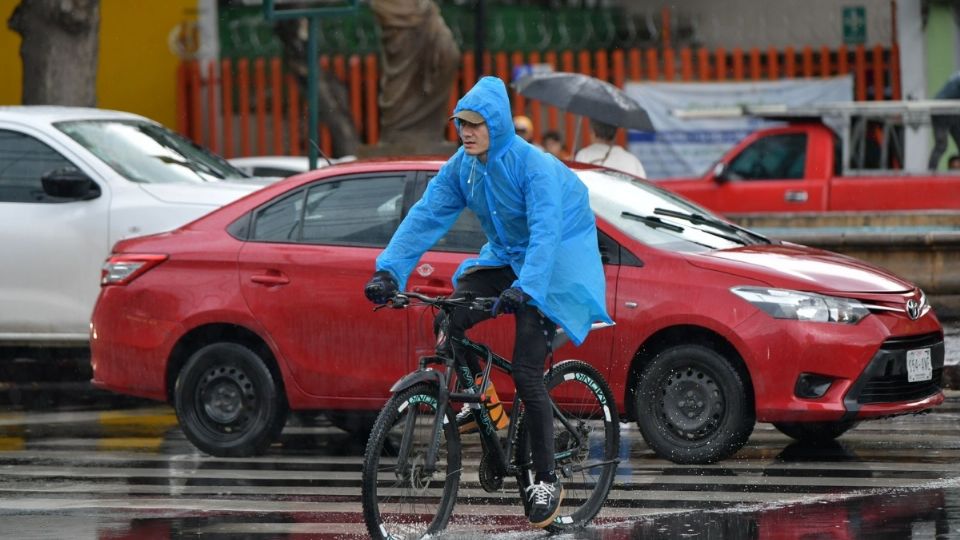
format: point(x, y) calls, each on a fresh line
point(720, 172)
point(69, 183)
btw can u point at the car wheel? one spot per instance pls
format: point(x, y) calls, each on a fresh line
point(228, 402)
point(815, 432)
point(692, 405)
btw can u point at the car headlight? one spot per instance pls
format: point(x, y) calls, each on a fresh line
point(803, 306)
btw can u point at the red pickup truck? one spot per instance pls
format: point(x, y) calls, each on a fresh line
point(799, 168)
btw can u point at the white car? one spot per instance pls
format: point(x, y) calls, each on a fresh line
point(281, 166)
point(73, 181)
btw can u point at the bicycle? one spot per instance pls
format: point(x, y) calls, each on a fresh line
point(412, 463)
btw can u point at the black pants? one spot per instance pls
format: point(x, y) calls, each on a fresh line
point(942, 125)
point(534, 335)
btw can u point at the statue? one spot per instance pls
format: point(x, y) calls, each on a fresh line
point(418, 66)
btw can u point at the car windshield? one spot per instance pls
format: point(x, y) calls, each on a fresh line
point(659, 218)
point(149, 153)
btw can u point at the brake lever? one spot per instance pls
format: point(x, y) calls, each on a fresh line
point(482, 305)
point(398, 301)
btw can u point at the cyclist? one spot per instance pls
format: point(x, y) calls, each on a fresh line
point(541, 257)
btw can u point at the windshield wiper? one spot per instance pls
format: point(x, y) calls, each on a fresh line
point(700, 219)
point(176, 145)
point(652, 222)
point(193, 166)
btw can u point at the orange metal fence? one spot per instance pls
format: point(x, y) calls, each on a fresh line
point(253, 107)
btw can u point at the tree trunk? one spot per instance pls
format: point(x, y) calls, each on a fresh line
point(59, 50)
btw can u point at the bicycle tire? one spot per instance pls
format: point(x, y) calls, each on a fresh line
point(397, 505)
point(587, 402)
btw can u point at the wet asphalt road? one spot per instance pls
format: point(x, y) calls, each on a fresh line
point(126, 472)
point(129, 473)
point(83, 464)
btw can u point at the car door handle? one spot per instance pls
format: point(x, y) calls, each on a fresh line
point(271, 278)
point(433, 291)
point(795, 196)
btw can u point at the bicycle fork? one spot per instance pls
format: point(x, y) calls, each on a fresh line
point(444, 397)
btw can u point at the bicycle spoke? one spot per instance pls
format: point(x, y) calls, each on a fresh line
point(586, 440)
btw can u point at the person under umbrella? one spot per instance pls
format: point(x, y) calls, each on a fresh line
point(606, 152)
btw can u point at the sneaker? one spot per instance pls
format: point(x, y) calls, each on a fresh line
point(466, 423)
point(545, 501)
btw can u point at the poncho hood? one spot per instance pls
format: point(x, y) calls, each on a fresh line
point(489, 98)
point(534, 211)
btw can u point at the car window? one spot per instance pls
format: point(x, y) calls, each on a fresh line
point(23, 162)
point(774, 157)
point(357, 211)
point(279, 221)
point(616, 197)
point(149, 153)
point(465, 235)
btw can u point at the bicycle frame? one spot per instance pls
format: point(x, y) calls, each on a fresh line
point(474, 394)
point(584, 406)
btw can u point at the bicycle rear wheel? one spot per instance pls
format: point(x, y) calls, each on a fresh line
point(586, 441)
point(405, 501)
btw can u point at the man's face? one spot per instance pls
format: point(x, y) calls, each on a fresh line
point(476, 138)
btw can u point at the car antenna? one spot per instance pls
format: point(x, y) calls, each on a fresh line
point(320, 151)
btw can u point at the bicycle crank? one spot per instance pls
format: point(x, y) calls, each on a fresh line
point(491, 475)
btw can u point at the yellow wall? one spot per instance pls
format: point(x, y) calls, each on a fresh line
point(137, 69)
point(10, 69)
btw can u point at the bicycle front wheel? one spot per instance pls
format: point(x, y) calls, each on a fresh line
point(586, 441)
point(401, 498)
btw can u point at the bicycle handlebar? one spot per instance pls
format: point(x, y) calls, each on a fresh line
point(402, 300)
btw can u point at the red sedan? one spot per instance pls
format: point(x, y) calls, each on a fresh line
point(257, 309)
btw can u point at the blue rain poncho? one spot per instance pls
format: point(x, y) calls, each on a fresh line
point(534, 210)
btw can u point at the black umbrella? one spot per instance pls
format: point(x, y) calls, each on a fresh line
point(586, 96)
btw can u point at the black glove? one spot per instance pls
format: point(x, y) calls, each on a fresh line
point(381, 287)
point(510, 301)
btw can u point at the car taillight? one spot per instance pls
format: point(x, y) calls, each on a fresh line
point(122, 269)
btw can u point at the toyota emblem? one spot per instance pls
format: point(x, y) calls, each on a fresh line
point(913, 309)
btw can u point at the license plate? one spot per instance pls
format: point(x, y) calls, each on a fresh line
point(919, 367)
